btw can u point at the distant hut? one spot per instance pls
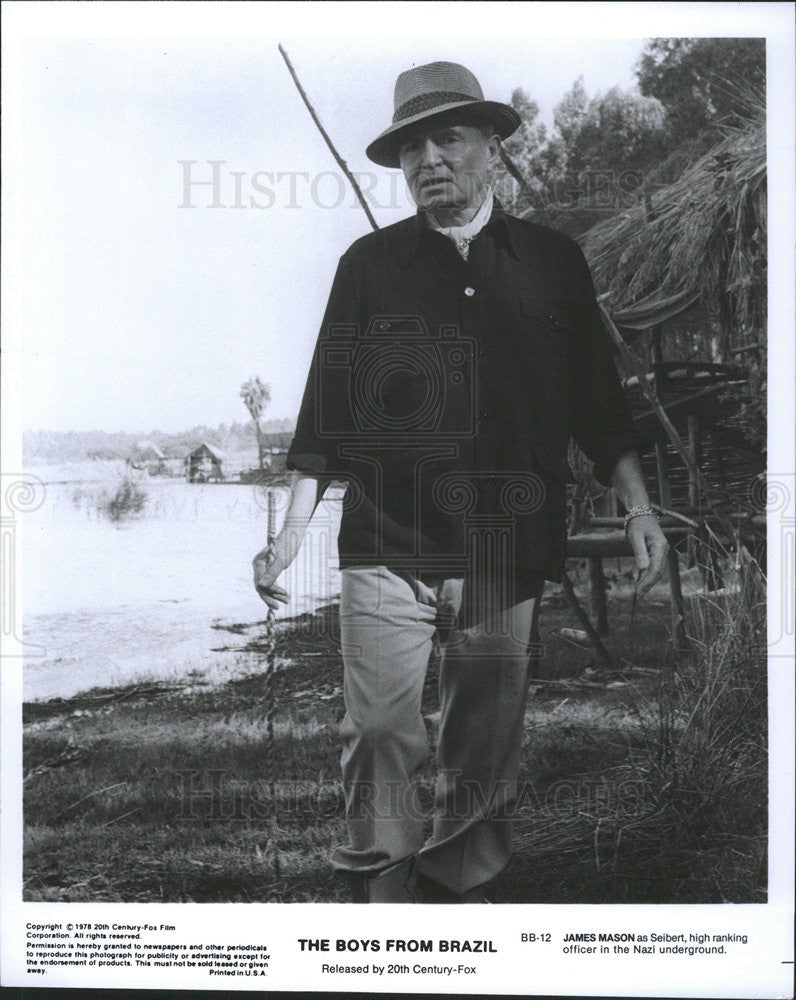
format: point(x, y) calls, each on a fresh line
point(273, 451)
point(276, 446)
point(147, 456)
point(205, 464)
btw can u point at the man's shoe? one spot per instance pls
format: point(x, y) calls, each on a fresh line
point(393, 885)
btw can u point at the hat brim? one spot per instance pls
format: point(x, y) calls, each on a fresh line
point(384, 149)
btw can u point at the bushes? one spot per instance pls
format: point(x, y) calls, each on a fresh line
point(128, 501)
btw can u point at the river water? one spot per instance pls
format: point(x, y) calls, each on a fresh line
point(167, 595)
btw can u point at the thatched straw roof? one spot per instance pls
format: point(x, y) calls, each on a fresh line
point(147, 450)
point(217, 453)
point(706, 232)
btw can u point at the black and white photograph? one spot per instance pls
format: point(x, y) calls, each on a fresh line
point(398, 500)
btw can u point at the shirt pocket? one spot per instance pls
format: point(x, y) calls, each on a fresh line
point(546, 334)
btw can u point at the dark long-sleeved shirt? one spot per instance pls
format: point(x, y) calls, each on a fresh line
point(445, 391)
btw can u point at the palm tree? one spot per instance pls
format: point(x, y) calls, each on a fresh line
point(256, 396)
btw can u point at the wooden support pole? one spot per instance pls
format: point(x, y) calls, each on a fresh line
point(583, 618)
point(695, 450)
point(679, 641)
point(599, 604)
point(603, 504)
point(679, 636)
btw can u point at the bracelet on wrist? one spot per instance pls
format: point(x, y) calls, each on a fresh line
point(642, 510)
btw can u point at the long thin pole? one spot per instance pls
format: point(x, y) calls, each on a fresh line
point(517, 174)
point(270, 697)
point(341, 162)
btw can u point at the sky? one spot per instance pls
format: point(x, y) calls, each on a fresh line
point(181, 217)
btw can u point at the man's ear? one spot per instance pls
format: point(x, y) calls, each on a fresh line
point(493, 145)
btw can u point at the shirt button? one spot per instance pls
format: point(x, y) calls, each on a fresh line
point(469, 292)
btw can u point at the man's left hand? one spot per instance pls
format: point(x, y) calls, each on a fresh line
point(649, 549)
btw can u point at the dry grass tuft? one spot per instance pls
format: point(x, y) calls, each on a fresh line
point(683, 817)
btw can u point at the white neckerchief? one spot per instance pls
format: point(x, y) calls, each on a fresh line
point(463, 236)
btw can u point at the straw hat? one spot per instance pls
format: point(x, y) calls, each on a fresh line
point(434, 89)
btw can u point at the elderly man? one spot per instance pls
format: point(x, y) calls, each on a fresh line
point(459, 351)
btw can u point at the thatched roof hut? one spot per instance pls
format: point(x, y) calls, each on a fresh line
point(277, 442)
point(147, 451)
point(205, 464)
point(704, 233)
point(688, 265)
point(148, 457)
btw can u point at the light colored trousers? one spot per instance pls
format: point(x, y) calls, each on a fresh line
point(387, 626)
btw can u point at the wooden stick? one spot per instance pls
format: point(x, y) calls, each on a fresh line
point(271, 522)
point(610, 543)
point(517, 174)
point(619, 522)
point(341, 162)
point(270, 696)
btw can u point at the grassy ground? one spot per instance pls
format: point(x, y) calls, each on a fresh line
point(641, 784)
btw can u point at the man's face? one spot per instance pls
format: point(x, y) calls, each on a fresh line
point(446, 166)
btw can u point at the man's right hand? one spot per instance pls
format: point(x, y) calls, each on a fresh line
point(276, 557)
point(268, 564)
